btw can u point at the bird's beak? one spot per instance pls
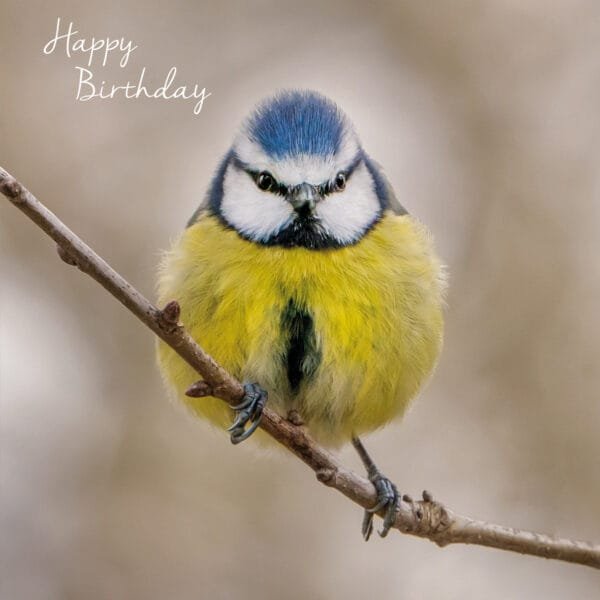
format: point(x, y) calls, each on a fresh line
point(304, 198)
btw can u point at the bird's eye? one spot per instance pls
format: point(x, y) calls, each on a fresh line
point(340, 182)
point(265, 181)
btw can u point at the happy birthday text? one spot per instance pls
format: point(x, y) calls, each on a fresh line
point(98, 52)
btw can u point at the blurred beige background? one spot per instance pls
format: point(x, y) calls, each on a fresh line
point(486, 116)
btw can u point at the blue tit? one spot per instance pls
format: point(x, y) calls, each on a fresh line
point(300, 270)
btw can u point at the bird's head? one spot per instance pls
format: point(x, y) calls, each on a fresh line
point(296, 175)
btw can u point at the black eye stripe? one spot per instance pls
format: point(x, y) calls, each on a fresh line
point(275, 187)
point(281, 189)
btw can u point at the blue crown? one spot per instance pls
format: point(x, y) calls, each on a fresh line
point(297, 122)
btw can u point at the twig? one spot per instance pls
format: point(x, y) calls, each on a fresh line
point(425, 518)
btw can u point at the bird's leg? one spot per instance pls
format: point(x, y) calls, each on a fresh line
point(387, 494)
point(249, 410)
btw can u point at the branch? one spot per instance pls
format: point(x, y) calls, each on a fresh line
point(426, 518)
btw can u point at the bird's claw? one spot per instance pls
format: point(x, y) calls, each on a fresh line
point(249, 410)
point(388, 498)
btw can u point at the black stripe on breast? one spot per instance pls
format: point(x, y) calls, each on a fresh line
point(302, 356)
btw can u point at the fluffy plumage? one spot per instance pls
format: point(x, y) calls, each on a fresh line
point(376, 308)
point(342, 319)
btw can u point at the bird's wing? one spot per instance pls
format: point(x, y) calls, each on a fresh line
point(384, 188)
point(215, 191)
point(393, 202)
point(199, 212)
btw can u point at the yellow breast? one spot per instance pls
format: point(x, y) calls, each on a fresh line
point(374, 312)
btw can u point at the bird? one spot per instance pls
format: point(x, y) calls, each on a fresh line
point(302, 274)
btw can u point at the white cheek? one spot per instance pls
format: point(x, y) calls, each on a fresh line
point(347, 215)
point(251, 211)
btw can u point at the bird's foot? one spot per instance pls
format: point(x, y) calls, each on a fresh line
point(388, 498)
point(387, 494)
point(249, 410)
